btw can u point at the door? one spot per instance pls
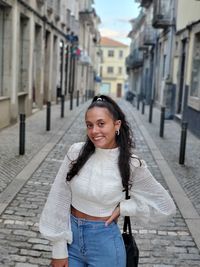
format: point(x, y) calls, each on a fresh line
point(119, 90)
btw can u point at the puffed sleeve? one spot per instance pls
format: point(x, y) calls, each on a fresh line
point(149, 202)
point(54, 222)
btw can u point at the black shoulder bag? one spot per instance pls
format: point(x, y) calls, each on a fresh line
point(132, 251)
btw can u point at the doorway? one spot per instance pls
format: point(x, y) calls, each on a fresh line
point(119, 90)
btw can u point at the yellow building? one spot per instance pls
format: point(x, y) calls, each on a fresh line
point(112, 68)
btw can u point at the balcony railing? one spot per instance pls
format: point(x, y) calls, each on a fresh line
point(162, 14)
point(134, 60)
point(144, 3)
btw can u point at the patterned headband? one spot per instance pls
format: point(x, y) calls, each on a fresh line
point(100, 98)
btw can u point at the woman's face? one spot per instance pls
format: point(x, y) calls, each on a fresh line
point(101, 127)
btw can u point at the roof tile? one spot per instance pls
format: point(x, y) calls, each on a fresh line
point(105, 41)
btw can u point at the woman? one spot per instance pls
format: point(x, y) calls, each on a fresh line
point(80, 214)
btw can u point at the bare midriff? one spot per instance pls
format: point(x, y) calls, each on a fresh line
point(78, 214)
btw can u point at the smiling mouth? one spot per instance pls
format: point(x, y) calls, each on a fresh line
point(97, 138)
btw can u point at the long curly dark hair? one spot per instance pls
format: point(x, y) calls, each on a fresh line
point(124, 141)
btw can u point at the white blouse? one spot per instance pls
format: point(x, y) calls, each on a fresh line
point(97, 190)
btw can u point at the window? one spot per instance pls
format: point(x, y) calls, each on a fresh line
point(164, 65)
point(23, 48)
point(110, 53)
point(82, 71)
point(120, 53)
point(110, 70)
point(57, 7)
point(176, 48)
point(119, 70)
point(101, 71)
point(50, 4)
point(195, 81)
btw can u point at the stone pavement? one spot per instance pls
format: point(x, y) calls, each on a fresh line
point(36, 137)
point(185, 187)
point(171, 244)
point(188, 175)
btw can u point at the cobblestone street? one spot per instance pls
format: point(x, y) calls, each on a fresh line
point(188, 174)
point(169, 245)
point(36, 137)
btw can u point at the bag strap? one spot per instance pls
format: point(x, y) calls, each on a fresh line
point(127, 221)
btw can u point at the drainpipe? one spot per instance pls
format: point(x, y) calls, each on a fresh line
point(186, 89)
point(168, 78)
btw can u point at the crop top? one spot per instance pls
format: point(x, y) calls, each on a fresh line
point(96, 190)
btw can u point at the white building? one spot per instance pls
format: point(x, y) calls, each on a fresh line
point(35, 36)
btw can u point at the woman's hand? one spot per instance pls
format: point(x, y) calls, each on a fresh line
point(115, 215)
point(59, 263)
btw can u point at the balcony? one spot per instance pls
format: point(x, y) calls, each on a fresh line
point(141, 45)
point(149, 36)
point(144, 3)
point(134, 60)
point(109, 76)
point(162, 14)
point(87, 15)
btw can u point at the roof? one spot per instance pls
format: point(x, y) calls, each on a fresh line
point(105, 41)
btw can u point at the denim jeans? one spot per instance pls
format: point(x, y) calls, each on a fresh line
point(96, 245)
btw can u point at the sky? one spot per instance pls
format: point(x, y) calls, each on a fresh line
point(115, 16)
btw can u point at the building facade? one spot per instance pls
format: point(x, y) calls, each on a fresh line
point(171, 58)
point(140, 61)
point(40, 52)
point(112, 68)
point(186, 70)
point(89, 43)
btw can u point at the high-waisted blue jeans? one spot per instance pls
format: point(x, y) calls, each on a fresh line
point(96, 245)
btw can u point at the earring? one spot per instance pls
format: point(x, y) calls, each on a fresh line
point(117, 132)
